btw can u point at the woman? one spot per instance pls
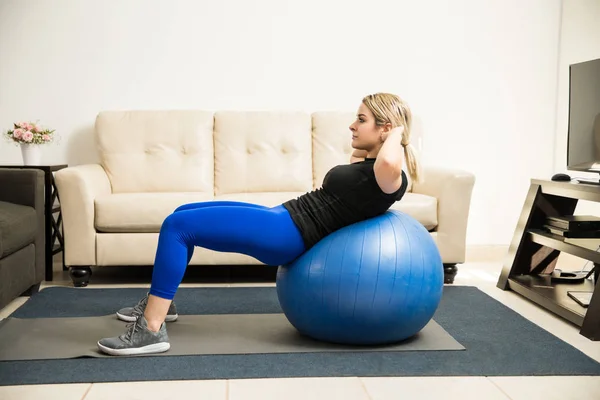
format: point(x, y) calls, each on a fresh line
point(350, 193)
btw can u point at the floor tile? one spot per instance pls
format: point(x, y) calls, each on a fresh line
point(427, 388)
point(297, 389)
point(549, 387)
point(36, 392)
point(162, 390)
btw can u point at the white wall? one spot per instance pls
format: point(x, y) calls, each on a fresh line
point(579, 41)
point(480, 74)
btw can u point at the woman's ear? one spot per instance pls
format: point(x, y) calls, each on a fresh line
point(385, 131)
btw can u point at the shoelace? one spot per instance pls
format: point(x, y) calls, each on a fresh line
point(133, 326)
point(140, 307)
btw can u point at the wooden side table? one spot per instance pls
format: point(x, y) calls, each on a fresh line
point(53, 226)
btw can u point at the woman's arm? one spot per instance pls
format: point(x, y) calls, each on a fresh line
point(388, 164)
point(358, 155)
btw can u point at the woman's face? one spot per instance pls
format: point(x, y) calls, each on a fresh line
point(366, 135)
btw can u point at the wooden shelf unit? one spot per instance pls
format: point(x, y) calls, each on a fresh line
point(533, 254)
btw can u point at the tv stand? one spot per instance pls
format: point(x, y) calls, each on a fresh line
point(533, 253)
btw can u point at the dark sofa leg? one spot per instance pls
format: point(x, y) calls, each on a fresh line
point(80, 276)
point(450, 271)
point(32, 290)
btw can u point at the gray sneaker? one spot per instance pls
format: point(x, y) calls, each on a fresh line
point(137, 340)
point(129, 314)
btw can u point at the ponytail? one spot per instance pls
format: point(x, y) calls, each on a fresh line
point(412, 163)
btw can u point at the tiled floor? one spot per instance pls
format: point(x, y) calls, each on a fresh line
point(479, 271)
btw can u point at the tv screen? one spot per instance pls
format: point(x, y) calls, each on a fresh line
point(583, 144)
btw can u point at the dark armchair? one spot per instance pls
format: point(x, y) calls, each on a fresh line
point(22, 230)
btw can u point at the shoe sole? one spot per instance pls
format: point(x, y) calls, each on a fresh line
point(129, 318)
point(151, 348)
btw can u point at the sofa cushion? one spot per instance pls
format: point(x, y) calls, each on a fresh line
point(157, 151)
point(140, 212)
point(145, 212)
point(421, 207)
point(18, 226)
point(262, 151)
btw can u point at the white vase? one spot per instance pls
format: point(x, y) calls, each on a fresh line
point(32, 154)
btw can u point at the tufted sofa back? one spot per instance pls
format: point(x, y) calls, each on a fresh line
point(221, 152)
point(157, 151)
point(262, 152)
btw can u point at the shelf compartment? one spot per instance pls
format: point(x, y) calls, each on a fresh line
point(560, 243)
point(552, 296)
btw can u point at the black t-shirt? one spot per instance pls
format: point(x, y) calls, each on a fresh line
point(349, 194)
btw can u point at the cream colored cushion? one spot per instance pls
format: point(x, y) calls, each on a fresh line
point(157, 151)
point(421, 207)
point(145, 212)
point(139, 212)
point(262, 152)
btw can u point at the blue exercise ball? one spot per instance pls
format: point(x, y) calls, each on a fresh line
point(377, 281)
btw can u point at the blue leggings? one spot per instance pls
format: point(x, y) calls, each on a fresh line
point(265, 233)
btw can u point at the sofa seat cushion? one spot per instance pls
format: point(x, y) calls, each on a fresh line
point(140, 212)
point(145, 212)
point(18, 226)
point(421, 207)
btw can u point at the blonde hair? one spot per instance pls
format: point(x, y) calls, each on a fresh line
point(388, 108)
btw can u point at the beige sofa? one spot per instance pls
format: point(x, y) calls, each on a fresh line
point(153, 161)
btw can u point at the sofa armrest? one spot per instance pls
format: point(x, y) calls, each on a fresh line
point(22, 186)
point(78, 187)
point(453, 189)
point(25, 186)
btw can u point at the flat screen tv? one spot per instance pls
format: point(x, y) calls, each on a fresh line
point(583, 143)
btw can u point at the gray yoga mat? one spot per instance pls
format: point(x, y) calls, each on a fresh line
point(60, 338)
